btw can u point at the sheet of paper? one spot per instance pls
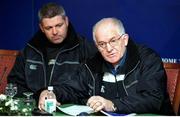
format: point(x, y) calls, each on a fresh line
point(75, 109)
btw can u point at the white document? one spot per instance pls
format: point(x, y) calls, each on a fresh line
point(75, 109)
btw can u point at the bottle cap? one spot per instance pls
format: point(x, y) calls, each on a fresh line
point(50, 88)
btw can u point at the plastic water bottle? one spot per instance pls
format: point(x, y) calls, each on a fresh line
point(50, 102)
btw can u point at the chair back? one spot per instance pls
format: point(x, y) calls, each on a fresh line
point(173, 84)
point(7, 59)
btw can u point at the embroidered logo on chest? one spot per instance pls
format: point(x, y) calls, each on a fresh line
point(102, 89)
point(51, 62)
point(33, 67)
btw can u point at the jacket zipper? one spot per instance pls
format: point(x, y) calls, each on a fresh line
point(92, 78)
point(127, 75)
point(44, 68)
point(52, 70)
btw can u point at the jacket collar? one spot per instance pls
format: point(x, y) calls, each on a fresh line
point(132, 57)
point(40, 41)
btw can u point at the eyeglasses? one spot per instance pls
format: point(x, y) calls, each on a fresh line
point(113, 42)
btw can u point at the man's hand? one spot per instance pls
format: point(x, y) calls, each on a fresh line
point(98, 103)
point(42, 97)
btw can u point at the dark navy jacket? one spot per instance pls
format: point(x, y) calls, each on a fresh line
point(143, 89)
point(29, 71)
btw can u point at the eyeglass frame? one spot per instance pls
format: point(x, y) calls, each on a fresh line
point(103, 45)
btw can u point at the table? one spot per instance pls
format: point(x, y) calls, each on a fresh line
point(22, 105)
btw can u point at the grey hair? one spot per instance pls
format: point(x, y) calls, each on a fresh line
point(50, 10)
point(114, 21)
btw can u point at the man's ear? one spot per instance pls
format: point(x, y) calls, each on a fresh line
point(66, 20)
point(126, 39)
point(40, 26)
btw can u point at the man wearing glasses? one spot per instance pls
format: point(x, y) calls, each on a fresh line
point(123, 77)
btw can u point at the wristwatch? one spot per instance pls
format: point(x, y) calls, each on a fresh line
point(114, 108)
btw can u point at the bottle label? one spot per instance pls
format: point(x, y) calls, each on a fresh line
point(50, 105)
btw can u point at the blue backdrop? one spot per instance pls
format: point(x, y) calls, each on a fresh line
point(155, 23)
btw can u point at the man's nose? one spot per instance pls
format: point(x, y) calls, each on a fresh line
point(109, 47)
point(54, 31)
